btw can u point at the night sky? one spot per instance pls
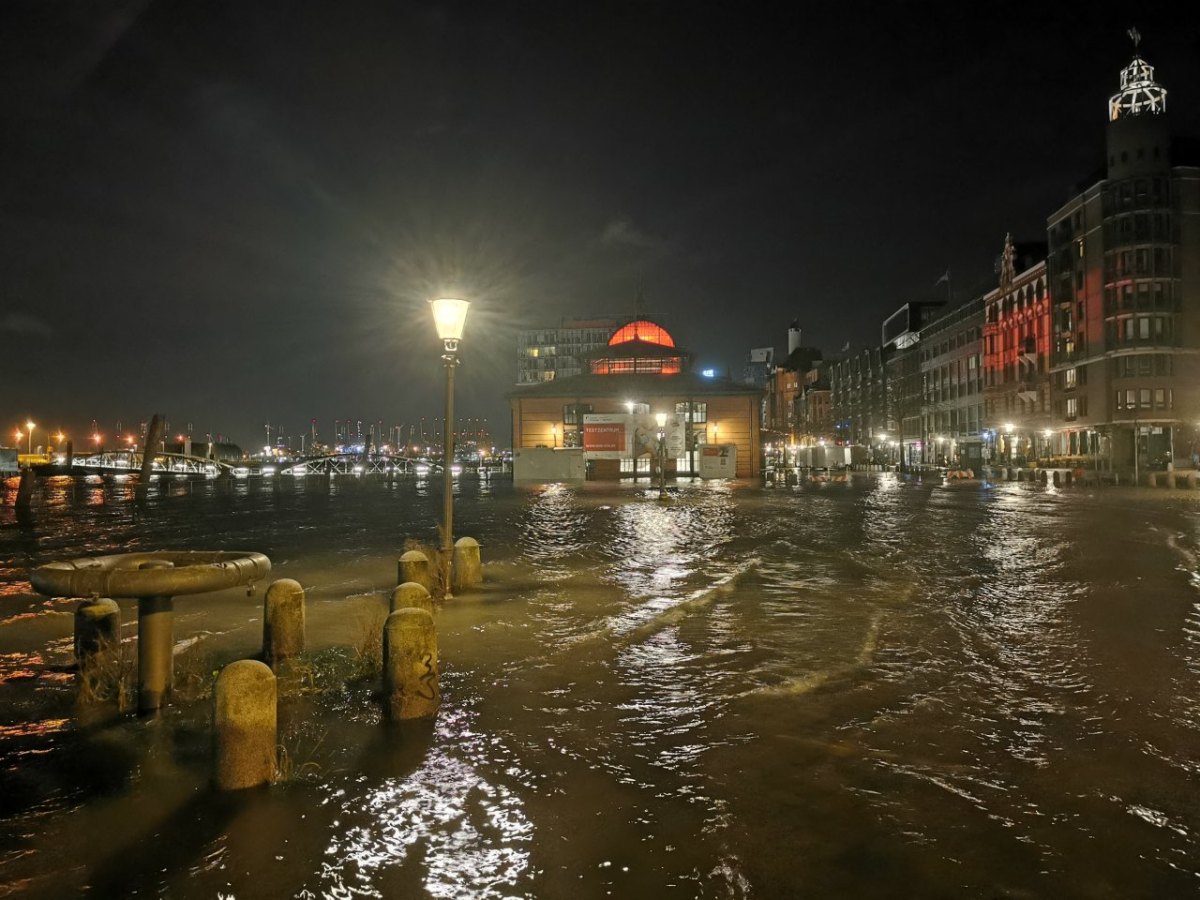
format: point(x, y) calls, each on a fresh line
point(233, 212)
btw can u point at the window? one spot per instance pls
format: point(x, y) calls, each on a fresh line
point(643, 464)
point(1072, 407)
point(1144, 398)
point(1071, 378)
point(573, 413)
point(699, 411)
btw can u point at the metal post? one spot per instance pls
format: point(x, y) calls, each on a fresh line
point(1135, 451)
point(662, 465)
point(451, 360)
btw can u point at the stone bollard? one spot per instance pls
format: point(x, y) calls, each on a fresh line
point(410, 665)
point(283, 621)
point(97, 632)
point(468, 566)
point(156, 646)
point(411, 595)
point(1042, 476)
point(244, 726)
point(1068, 477)
point(1170, 480)
point(1191, 480)
point(1020, 474)
point(414, 566)
point(1057, 478)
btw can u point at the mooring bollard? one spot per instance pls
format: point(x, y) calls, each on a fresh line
point(410, 665)
point(25, 489)
point(414, 566)
point(411, 595)
point(156, 646)
point(97, 632)
point(1170, 479)
point(468, 567)
point(283, 621)
point(244, 726)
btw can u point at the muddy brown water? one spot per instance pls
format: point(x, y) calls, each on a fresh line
point(887, 688)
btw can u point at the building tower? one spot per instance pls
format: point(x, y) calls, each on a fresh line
point(1124, 273)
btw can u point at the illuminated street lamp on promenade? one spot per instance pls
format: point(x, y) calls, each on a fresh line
point(449, 317)
point(661, 420)
point(29, 426)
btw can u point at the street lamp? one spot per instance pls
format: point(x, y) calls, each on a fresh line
point(449, 318)
point(554, 434)
point(30, 426)
point(661, 420)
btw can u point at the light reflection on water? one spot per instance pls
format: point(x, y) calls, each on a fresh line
point(833, 690)
point(471, 835)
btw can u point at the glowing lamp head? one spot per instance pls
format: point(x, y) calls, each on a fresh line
point(29, 425)
point(449, 317)
point(1008, 428)
point(1048, 433)
point(661, 419)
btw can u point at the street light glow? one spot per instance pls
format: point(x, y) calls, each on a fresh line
point(449, 317)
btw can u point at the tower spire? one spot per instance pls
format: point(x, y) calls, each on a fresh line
point(1140, 94)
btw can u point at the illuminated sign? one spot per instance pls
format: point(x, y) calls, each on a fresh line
point(599, 437)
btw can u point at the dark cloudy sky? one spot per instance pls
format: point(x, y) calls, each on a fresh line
point(232, 212)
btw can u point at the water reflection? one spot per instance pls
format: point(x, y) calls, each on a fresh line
point(468, 834)
point(960, 690)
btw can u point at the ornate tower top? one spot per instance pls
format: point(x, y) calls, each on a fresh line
point(1140, 94)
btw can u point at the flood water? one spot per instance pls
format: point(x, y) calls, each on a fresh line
point(886, 688)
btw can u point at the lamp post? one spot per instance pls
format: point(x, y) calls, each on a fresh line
point(554, 435)
point(661, 419)
point(449, 317)
point(30, 426)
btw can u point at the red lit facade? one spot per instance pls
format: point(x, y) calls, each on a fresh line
point(1017, 345)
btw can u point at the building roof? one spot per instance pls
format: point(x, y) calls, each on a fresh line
point(642, 330)
point(635, 386)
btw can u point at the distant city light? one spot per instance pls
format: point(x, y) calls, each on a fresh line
point(709, 373)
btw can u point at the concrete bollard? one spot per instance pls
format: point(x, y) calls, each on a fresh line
point(410, 665)
point(411, 595)
point(414, 566)
point(1170, 479)
point(156, 646)
point(97, 632)
point(1042, 476)
point(1191, 481)
point(1020, 474)
point(283, 621)
point(1057, 479)
point(245, 727)
point(468, 566)
point(1068, 477)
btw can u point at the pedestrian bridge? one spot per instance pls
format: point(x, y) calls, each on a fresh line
point(127, 461)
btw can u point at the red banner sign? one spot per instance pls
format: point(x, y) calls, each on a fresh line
point(604, 436)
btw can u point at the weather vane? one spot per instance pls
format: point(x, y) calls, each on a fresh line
point(1135, 36)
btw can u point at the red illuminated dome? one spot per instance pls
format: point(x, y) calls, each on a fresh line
point(641, 330)
point(639, 348)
